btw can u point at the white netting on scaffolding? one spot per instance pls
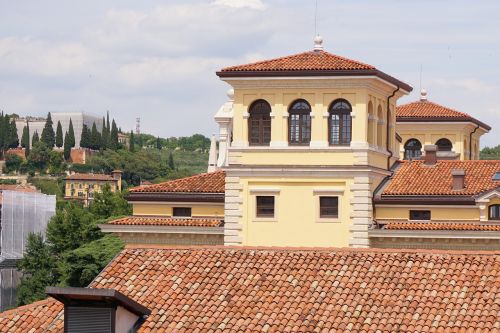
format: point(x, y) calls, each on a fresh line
point(23, 213)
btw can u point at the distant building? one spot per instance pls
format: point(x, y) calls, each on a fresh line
point(123, 139)
point(78, 119)
point(83, 186)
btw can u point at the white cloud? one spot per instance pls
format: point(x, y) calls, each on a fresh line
point(252, 4)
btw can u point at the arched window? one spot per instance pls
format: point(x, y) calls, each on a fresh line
point(494, 212)
point(380, 127)
point(413, 149)
point(339, 123)
point(371, 124)
point(444, 145)
point(259, 123)
point(299, 123)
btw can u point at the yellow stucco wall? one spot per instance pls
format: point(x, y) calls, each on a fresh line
point(165, 209)
point(296, 221)
point(84, 187)
point(437, 213)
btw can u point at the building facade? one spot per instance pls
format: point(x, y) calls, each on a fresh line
point(83, 186)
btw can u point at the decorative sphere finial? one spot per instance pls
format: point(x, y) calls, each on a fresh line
point(318, 43)
point(423, 95)
point(230, 94)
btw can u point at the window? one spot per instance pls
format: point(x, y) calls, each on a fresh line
point(413, 149)
point(496, 176)
point(265, 206)
point(328, 207)
point(444, 145)
point(182, 211)
point(494, 212)
point(420, 215)
point(299, 123)
point(339, 123)
point(259, 124)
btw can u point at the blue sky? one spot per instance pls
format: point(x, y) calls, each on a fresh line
point(157, 59)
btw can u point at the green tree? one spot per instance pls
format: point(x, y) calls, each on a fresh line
point(56, 162)
point(59, 135)
point(131, 143)
point(108, 204)
point(13, 137)
point(171, 164)
point(492, 153)
point(95, 138)
point(158, 143)
point(12, 163)
point(48, 135)
point(71, 134)
point(114, 136)
point(105, 140)
point(67, 147)
point(35, 138)
point(39, 270)
point(85, 137)
point(39, 156)
point(25, 139)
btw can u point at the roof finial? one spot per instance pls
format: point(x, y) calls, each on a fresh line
point(318, 43)
point(423, 95)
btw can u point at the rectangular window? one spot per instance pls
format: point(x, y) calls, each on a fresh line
point(182, 211)
point(494, 212)
point(328, 207)
point(422, 215)
point(265, 206)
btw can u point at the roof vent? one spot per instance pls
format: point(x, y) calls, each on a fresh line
point(423, 95)
point(318, 43)
point(458, 176)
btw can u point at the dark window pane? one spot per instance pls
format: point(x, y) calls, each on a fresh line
point(340, 123)
point(182, 211)
point(420, 214)
point(265, 206)
point(259, 123)
point(413, 149)
point(328, 207)
point(299, 123)
point(494, 212)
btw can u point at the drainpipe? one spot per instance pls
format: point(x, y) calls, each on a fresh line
point(470, 141)
point(387, 129)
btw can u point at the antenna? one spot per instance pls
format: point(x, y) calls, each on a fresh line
point(138, 126)
point(315, 18)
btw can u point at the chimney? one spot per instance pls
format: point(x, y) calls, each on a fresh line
point(430, 154)
point(212, 157)
point(98, 310)
point(458, 176)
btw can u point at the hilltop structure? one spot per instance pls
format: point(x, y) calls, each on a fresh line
point(83, 186)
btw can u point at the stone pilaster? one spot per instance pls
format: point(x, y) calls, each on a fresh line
point(232, 211)
point(361, 211)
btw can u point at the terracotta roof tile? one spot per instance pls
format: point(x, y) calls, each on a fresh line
point(416, 178)
point(444, 226)
point(35, 317)
point(90, 176)
point(300, 290)
point(212, 182)
point(312, 60)
point(169, 221)
point(426, 111)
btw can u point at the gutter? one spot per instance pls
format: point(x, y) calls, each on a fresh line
point(470, 141)
point(387, 128)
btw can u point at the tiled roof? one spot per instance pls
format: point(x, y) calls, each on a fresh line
point(17, 188)
point(90, 176)
point(169, 221)
point(310, 61)
point(224, 289)
point(427, 111)
point(212, 182)
point(442, 226)
point(35, 317)
point(416, 178)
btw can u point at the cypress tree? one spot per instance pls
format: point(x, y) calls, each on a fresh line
point(13, 137)
point(114, 136)
point(84, 137)
point(95, 138)
point(131, 141)
point(71, 134)
point(35, 138)
point(25, 137)
point(48, 136)
point(3, 133)
point(107, 122)
point(105, 135)
point(171, 164)
point(67, 147)
point(59, 135)
point(158, 143)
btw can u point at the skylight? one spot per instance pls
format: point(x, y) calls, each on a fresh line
point(496, 176)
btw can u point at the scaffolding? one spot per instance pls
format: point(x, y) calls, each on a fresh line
point(23, 213)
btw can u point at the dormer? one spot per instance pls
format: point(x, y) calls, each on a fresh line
point(312, 102)
point(456, 134)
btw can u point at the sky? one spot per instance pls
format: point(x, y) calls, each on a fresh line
point(157, 59)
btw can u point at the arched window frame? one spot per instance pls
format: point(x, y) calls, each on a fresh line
point(343, 115)
point(444, 144)
point(299, 123)
point(380, 127)
point(372, 124)
point(413, 153)
point(259, 123)
point(494, 212)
